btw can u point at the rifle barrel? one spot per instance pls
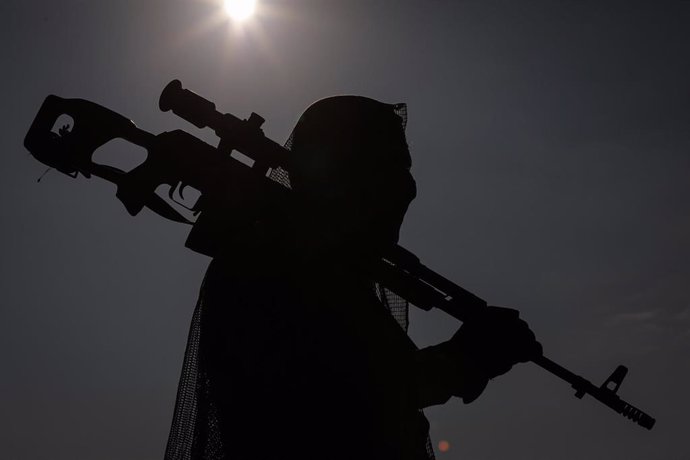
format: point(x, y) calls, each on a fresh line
point(403, 273)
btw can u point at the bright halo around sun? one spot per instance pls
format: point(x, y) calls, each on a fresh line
point(239, 10)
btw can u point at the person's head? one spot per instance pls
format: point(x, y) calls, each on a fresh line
point(350, 166)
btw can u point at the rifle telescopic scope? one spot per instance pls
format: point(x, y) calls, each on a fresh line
point(188, 105)
point(244, 136)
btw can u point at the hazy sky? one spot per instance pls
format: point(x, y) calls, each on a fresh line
point(551, 149)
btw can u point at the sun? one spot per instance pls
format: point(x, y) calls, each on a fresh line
point(239, 10)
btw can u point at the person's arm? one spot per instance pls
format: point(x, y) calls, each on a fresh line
point(481, 350)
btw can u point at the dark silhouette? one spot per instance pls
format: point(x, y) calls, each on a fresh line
point(298, 355)
point(298, 345)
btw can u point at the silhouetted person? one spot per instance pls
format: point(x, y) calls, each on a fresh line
point(294, 352)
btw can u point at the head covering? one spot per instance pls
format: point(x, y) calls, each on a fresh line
point(347, 139)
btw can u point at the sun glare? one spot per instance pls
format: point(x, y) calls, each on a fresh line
point(239, 10)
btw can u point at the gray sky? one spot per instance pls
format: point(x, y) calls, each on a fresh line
point(550, 145)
